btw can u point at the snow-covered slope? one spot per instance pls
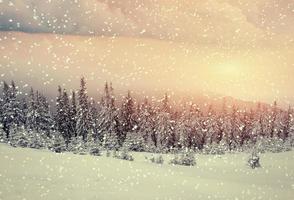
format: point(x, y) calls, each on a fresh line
point(39, 174)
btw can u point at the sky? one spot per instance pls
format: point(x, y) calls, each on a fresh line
point(238, 48)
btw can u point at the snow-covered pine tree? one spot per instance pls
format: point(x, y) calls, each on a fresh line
point(59, 111)
point(291, 131)
point(150, 144)
point(44, 119)
point(273, 120)
point(31, 117)
point(220, 124)
point(73, 115)
point(234, 129)
point(127, 120)
point(183, 130)
point(5, 115)
point(1, 106)
point(165, 104)
point(106, 98)
point(227, 130)
point(23, 106)
point(146, 125)
point(83, 123)
point(204, 132)
point(10, 111)
point(285, 124)
point(165, 128)
point(195, 134)
point(258, 129)
point(62, 117)
point(93, 120)
point(210, 125)
point(108, 119)
point(66, 117)
point(246, 127)
point(18, 114)
point(216, 128)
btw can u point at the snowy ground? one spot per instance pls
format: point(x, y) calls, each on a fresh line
point(39, 174)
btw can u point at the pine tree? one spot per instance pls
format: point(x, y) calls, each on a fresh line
point(5, 116)
point(44, 119)
point(16, 105)
point(83, 112)
point(273, 120)
point(11, 112)
point(107, 97)
point(73, 115)
point(108, 119)
point(31, 117)
point(63, 115)
point(234, 132)
point(285, 124)
point(165, 128)
point(246, 128)
point(93, 120)
point(184, 130)
point(1, 106)
point(127, 117)
point(110, 141)
point(146, 123)
point(165, 104)
point(66, 117)
point(59, 111)
point(23, 106)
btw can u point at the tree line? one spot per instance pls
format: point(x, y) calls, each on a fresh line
point(144, 126)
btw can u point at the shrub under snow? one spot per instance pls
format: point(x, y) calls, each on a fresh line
point(253, 161)
point(214, 149)
point(110, 141)
point(94, 148)
point(58, 144)
point(158, 159)
point(123, 155)
point(185, 157)
point(134, 142)
point(274, 145)
point(23, 138)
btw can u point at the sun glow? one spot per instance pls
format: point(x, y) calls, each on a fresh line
point(229, 69)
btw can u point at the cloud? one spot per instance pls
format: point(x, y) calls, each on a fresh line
point(217, 22)
point(66, 17)
point(271, 15)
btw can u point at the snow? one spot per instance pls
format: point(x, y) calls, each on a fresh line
point(40, 174)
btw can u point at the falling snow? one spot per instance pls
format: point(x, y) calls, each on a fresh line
point(146, 99)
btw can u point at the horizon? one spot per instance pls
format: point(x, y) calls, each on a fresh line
point(178, 102)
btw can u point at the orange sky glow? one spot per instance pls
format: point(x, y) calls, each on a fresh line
point(244, 50)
